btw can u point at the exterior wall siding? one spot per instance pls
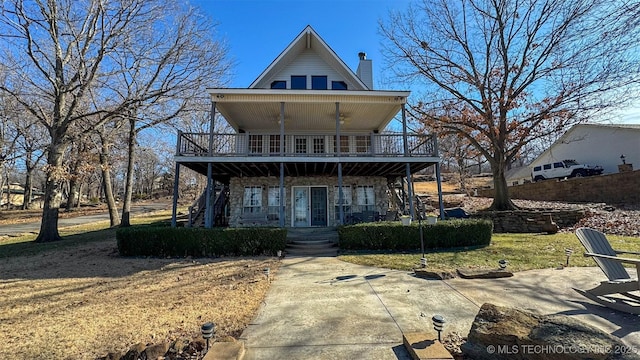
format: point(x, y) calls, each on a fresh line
point(237, 185)
point(309, 63)
point(595, 145)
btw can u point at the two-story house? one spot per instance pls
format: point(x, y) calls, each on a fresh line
point(309, 147)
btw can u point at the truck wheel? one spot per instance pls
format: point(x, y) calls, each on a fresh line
point(538, 178)
point(580, 173)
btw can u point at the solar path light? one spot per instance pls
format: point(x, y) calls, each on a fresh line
point(438, 324)
point(207, 331)
point(568, 252)
point(503, 264)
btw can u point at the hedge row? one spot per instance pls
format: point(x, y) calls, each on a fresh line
point(395, 236)
point(199, 242)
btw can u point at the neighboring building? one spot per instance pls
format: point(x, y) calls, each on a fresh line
point(310, 146)
point(596, 144)
point(518, 175)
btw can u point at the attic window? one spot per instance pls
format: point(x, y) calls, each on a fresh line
point(298, 82)
point(319, 82)
point(338, 85)
point(279, 84)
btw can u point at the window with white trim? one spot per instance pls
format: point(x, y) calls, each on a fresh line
point(273, 199)
point(346, 200)
point(255, 144)
point(252, 200)
point(366, 197)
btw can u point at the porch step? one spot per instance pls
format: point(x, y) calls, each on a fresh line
point(312, 241)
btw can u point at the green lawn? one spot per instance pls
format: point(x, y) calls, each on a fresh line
point(71, 236)
point(522, 251)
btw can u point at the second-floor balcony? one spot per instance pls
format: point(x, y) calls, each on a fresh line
point(300, 145)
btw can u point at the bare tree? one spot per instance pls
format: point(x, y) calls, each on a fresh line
point(165, 77)
point(85, 62)
point(503, 73)
point(31, 143)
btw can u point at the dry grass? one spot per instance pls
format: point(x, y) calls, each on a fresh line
point(82, 301)
point(451, 187)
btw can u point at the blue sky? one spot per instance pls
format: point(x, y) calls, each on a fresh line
point(257, 31)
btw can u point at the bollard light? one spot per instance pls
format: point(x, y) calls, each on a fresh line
point(568, 252)
point(503, 264)
point(266, 272)
point(207, 331)
point(279, 253)
point(423, 262)
point(438, 324)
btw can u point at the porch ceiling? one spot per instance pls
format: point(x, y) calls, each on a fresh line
point(307, 110)
point(224, 171)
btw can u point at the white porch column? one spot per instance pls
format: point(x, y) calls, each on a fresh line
point(282, 140)
point(338, 154)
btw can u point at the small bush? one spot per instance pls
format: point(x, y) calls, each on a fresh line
point(165, 241)
point(394, 236)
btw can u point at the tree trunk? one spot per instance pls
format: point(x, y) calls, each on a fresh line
point(52, 197)
point(128, 189)
point(26, 200)
point(72, 198)
point(107, 186)
point(501, 199)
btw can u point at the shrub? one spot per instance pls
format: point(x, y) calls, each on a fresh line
point(394, 236)
point(165, 241)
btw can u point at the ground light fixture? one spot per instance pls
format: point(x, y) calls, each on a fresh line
point(266, 271)
point(207, 331)
point(568, 252)
point(438, 324)
point(423, 262)
point(503, 264)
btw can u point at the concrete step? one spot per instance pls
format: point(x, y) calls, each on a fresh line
point(312, 242)
point(330, 252)
point(304, 242)
point(327, 245)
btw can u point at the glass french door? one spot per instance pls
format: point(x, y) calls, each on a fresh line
point(300, 206)
point(309, 206)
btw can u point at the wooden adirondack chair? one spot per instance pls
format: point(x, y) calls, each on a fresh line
point(614, 293)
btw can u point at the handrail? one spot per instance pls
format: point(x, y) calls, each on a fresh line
point(199, 206)
point(298, 145)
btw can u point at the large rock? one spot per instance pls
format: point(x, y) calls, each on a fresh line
point(506, 333)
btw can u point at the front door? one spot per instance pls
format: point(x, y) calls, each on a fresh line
point(318, 206)
point(309, 206)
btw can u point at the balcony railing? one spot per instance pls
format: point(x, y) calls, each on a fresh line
point(387, 144)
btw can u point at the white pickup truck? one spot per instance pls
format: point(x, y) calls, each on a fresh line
point(564, 169)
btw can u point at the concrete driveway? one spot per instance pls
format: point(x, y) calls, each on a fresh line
point(323, 308)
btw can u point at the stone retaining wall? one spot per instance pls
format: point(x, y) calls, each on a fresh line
point(529, 221)
point(619, 188)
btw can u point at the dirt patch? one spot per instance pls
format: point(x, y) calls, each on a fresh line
point(84, 302)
